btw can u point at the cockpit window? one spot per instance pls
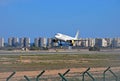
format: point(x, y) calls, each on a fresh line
point(58, 34)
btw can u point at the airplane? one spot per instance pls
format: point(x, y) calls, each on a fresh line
point(62, 37)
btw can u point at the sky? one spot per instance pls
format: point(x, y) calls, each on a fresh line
point(45, 18)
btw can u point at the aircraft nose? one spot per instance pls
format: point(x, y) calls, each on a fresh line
point(56, 36)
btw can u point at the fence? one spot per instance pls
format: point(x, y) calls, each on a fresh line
point(87, 75)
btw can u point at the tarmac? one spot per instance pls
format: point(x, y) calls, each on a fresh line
point(60, 51)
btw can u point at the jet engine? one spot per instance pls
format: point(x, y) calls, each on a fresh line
point(55, 40)
point(72, 42)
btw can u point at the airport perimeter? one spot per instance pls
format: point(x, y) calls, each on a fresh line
point(50, 66)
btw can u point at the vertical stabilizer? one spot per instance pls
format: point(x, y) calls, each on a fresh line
point(77, 34)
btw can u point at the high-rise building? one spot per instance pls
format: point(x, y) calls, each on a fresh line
point(21, 41)
point(116, 42)
point(37, 42)
point(1, 42)
point(49, 42)
point(109, 42)
point(100, 42)
point(91, 42)
point(40, 42)
point(25, 42)
point(43, 42)
point(84, 42)
point(9, 41)
point(13, 41)
point(78, 43)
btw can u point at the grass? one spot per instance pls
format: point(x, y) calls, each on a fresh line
point(57, 61)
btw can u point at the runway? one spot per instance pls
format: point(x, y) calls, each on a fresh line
point(2, 52)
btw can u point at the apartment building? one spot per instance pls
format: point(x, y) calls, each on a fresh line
point(13, 41)
point(100, 42)
point(116, 42)
point(24, 42)
point(1, 42)
point(40, 42)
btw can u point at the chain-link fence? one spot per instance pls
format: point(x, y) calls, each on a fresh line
point(106, 74)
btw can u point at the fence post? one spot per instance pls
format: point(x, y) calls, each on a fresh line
point(90, 76)
point(37, 78)
point(86, 72)
point(10, 76)
point(65, 73)
point(108, 69)
point(26, 78)
point(114, 75)
point(83, 78)
point(63, 78)
point(104, 73)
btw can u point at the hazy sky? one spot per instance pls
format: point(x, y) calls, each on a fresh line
point(44, 18)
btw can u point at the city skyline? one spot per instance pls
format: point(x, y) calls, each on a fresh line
point(27, 18)
point(6, 40)
point(43, 42)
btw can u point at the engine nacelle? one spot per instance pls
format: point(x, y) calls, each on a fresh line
point(54, 40)
point(72, 42)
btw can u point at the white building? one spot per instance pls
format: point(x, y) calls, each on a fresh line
point(13, 41)
point(40, 42)
point(100, 42)
point(25, 42)
point(84, 42)
point(49, 42)
point(1, 42)
point(91, 42)
point(109, 42)
point(43, 42)
point(37, 42)
point(116, 42)
point(78, 42)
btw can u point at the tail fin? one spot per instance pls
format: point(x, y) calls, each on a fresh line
point(77, 34)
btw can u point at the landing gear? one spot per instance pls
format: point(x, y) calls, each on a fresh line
point(63, 43)
point(71, 44)
point(60, 43)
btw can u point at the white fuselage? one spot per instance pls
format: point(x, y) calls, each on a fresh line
point(63, 37)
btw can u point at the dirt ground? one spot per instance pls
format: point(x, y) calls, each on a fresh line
point(19, 76)
point(33, 65)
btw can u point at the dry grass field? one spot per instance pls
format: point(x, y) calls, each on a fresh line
point(32, 65)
